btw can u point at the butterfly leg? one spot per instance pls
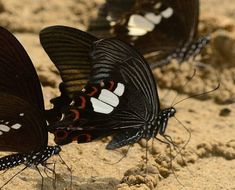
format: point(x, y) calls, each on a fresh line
point(41, 177)
point(13, 177)
point(51, 170)
point(69, 169)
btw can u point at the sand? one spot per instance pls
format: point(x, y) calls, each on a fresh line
point(208, 160)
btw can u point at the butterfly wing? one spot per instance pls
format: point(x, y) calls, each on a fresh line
point(160, 35)
point(17, 73)
point(68, 48)
point(22, 127)
point(113, 59)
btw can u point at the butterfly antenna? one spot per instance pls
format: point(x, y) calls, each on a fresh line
point(197, 95)
point(51, 170)
point(171, 158)
point(69, 169)
point(179, 151)
point(187, 82)
point(13, 177)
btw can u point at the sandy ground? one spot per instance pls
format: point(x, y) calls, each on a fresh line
point(208, 160)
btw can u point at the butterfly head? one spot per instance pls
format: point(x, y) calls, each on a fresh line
point(57, 149)
point(163, 117)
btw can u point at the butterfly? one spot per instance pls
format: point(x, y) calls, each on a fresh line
point(23, 127)
point(158, 29)
point(119, 98)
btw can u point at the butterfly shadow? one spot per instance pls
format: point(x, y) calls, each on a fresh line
point(63, 183)
point(97, 183)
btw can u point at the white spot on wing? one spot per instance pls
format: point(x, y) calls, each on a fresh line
point(119, 89)
point(167, 13)
point(108, 97)
point(1, 132)
point(21, 114)
point(4, 128)
point(16, 126)
point(140, 24)
point(157, 5)
point(156, 19)
point(136, 31)
point(100, 106)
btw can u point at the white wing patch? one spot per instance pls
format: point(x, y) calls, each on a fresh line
point(167, 13)
point(139, 25)
point(120, 89)
point(4, 127)
point(16, 126)
point(108, 97)
point(138, 21)
point(156, 19)
point(100, 106)
point(21, 114)
point(107, 100)
point(136, 31)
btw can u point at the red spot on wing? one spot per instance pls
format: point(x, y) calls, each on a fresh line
point(83, 138)
point(83, 102)
point(111, 85)
point(77, 114)
point(93, 92)
point(60, 135)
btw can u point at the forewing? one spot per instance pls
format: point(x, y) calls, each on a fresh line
point(22, 128)
point(17, 73)
point(69, 48)
point(115, 59)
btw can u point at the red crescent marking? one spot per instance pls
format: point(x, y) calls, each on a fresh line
point(88, 138)
point(65, 134)
point(75, 138)
point(77, 114)
point(93, 92)
point(111, 85)
point(83, 103)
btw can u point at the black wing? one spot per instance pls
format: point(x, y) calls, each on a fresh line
point(177, 31)
point(22, 127)
point(114, 60)
point(68, 48)
point(17, 73)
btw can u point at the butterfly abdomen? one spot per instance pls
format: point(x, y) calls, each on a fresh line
point(11, 161)
point(40, 157)
point(31, 159)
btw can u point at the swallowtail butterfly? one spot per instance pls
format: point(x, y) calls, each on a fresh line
point(120, 97)
point(157, 28)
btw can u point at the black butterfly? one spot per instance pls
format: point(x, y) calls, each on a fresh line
point(120, 97)
point(23, 128)
point(157, 28)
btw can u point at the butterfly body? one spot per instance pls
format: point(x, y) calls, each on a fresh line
point(120, 97)
point(30, 159)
